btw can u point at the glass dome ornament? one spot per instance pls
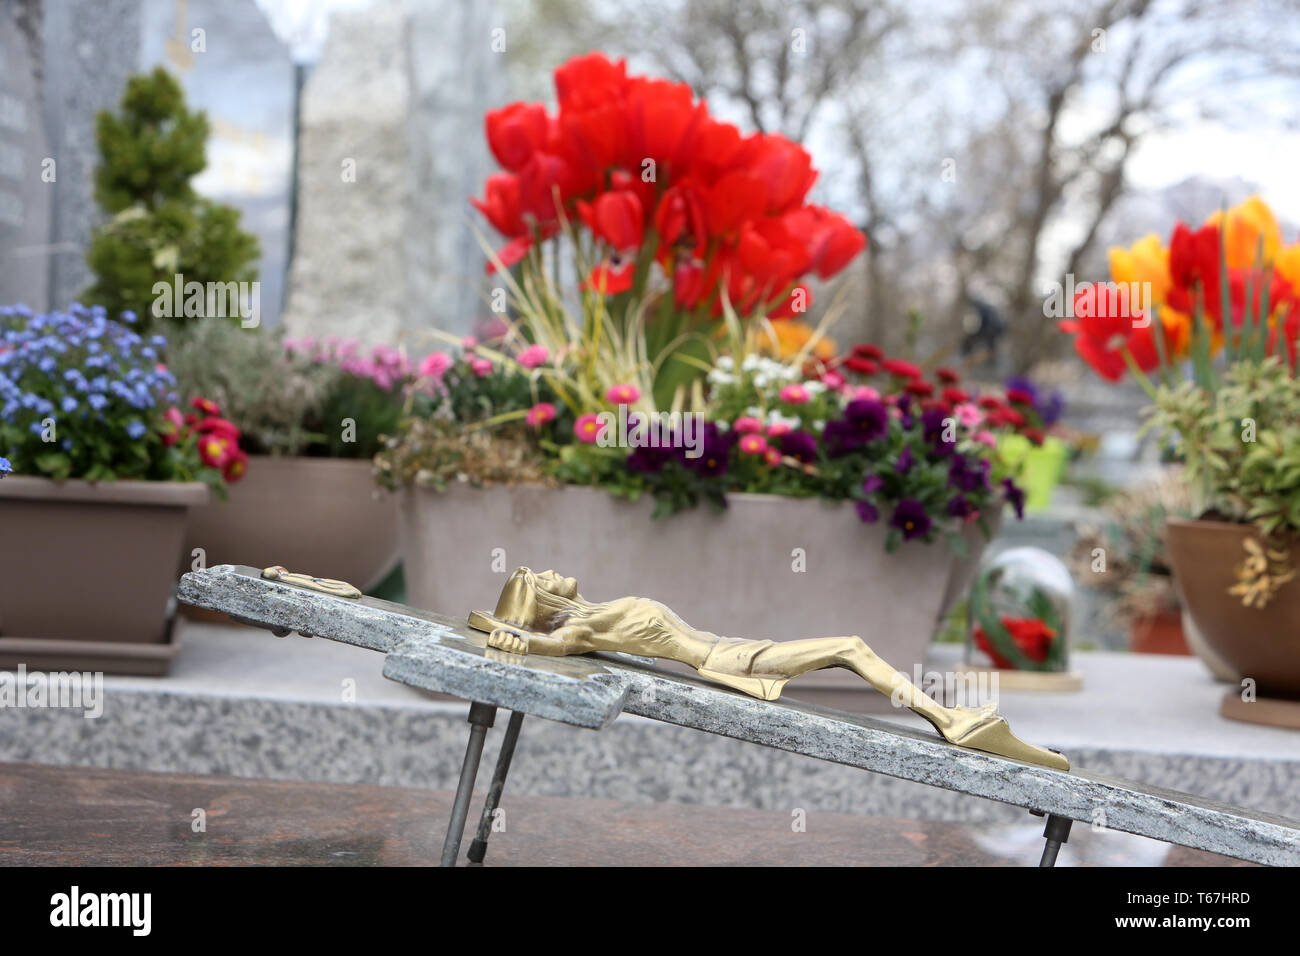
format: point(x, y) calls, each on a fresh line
point(1020, 609)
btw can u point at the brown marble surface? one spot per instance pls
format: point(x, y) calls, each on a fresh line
point(66, 816)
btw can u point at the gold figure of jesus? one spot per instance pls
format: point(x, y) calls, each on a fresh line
point(544, 614)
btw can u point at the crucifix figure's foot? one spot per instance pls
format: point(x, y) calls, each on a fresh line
point(982, 729)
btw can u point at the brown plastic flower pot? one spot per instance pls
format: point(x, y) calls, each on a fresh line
point(322, 516)
point(87, 573)
point(1259, 643)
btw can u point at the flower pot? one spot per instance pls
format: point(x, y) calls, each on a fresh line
point(1262, 644)
point(1214, 662)
point(1158, 633)
point(766, 567)
point(318, 515)
point(87, 572)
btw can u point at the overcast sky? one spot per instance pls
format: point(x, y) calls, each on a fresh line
point(1201, 149)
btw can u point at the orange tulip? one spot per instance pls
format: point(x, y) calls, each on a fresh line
point(1251, 235)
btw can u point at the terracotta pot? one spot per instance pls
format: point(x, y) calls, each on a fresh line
point(87, 572)
point(734, 573)
point(1259, 643)
point(1158, 633)
point(323, 516)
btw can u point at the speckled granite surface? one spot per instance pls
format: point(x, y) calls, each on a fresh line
point(243, 703)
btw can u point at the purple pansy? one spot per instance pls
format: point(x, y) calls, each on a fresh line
point(799, 445)
point(1015, 496)
point(911, 519)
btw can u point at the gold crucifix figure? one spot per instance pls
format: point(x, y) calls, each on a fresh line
point(544, 614)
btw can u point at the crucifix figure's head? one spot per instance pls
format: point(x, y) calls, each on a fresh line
point(530, 599)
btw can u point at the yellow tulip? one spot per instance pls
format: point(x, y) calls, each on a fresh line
point(791, 336)
point(1147, 260)
point(1251, 235)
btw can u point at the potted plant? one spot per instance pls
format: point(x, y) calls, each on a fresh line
point(1125, 558)
point(311, 415)
point(1223, 301)
point(103, 469)
point(658, 263)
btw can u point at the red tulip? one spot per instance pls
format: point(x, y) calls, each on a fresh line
point(662, 122)
point(516, 132)
point(784, 167)
point(735, 199)
point(616, 217)
point(500, 205)
point(679, 218)
point(590, 80)
point(611, 279)
point(1105, 325)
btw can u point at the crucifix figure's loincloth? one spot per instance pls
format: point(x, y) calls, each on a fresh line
point(543, 613)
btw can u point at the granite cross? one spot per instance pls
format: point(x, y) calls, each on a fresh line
point(436, 653)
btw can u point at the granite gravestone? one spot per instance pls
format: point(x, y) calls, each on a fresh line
point(391, 149)
point(90, 47)
point(24, 154)
point(65, 61)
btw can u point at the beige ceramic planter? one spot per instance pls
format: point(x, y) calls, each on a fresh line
point(322, 516)
point(733, 573)
point(87, 572)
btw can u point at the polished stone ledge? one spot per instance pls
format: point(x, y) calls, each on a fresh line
point(243, 703)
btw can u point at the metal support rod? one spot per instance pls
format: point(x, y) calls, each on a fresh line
point(478, 848)
point(1056, 832)
point(481, 717)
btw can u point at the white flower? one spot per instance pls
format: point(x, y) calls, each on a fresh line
point(717, 377)
point(725, 362)
point(761, 380)
point(814, 387)
point(750, 362)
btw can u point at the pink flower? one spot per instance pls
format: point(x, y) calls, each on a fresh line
point(469, 343)
point(772, 457)
point(480, 367)
point(533, 356)
point(747, 424)
point(986, 438)
point(968, 414)
point(833, 380)
point(867, 392)
point(752, 444)
point(794, 394)
point(540, 414)
point(173, 422)
point(434, 364)
point(777, 429)
point(587, 428)
point(622, 394)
